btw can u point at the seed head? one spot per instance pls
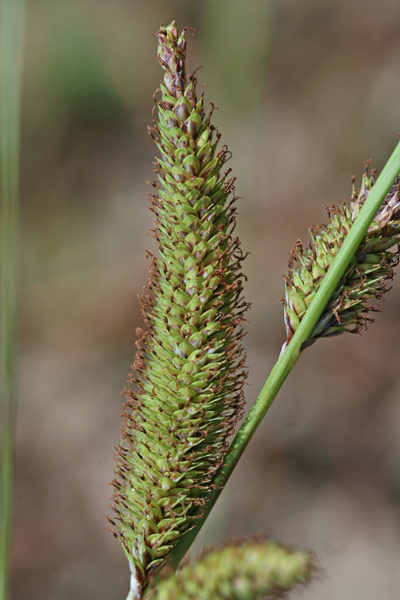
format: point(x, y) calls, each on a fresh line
point(243, 572)
point(365, 278)
point(185, 395)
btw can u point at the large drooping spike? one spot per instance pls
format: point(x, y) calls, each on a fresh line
point(185, 395)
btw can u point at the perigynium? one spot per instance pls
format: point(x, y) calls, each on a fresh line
point(365, 278)
point(185, 395)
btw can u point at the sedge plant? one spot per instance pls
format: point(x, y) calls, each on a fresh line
point(185, 395)
point(184, 398)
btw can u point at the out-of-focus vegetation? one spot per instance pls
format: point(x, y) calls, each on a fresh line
point(11, 38)
point(306, 92)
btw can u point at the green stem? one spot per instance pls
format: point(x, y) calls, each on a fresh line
point(11, 24)
point(291, 352)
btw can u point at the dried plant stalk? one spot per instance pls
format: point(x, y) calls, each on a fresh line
point(185, 395)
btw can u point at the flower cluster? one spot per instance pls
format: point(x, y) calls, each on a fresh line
point(185, 394)
point(365, 278)
point(238, 572)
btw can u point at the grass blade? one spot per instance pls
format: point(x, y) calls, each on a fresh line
point(11, 38)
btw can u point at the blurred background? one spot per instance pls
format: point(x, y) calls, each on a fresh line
point(307, 91)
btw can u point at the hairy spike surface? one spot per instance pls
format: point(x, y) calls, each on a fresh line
point(365, 278)
point(245, 572)
point(186, 393)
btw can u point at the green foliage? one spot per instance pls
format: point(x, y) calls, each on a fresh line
point(364, 279)
point(189, 368)
point(244, 572)
point(239, 60)
point(76, 74)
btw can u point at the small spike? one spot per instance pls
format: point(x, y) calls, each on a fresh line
point(238, 572)
point(365, 279)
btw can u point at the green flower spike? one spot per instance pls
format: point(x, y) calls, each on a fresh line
point(245, 572)
point(365, 277)
point(189, 367)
